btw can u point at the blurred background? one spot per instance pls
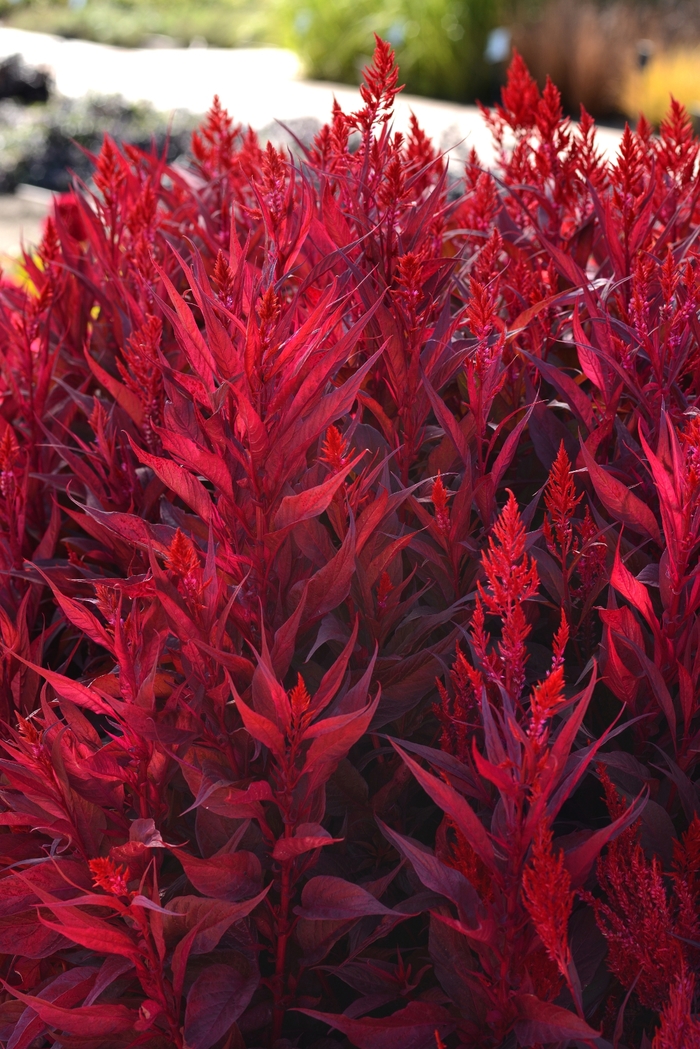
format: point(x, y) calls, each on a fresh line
point(613, 56)
point(59, 94)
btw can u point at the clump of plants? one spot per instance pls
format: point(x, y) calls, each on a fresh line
point(349, 594)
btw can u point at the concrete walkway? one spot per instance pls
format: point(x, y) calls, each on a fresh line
point(257, 86)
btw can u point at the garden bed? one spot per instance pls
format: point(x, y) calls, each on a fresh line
point(349, 601)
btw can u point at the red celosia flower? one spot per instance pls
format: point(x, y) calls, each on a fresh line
point(9, 453)
point(378, 89)
point(107, 875)
point(213, 144)
point(546, 699)
point(439, 496)
point(460, 855)
point(559, 643)
point(481, 311)
point(109, 174)
point(548, 695)
point(591, 562)
point(636, 917)
point(182, 557)
point(141, 374)
point(627, 177)
point(107, 602)
point(393, 187)
point(512, 579)
point(274, 179)
point(678, 1028)
point(678, 147)
point(421, 156)
point(520, 96)
point(548, 898)
point(50, 246)
point(561, 500)
point(686, 855)
point(690, 438)
point(685, 879)
point(335, 449)
point(511, 574)
point(268, 312)
point(458, 715)
point(223, 279)
point(409, 278)
point(299, 699)
point(183, 561)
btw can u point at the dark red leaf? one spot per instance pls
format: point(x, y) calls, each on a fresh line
point(215, 1001)
point(544, 1022)
point(94, 1020)
point(619, 501)
point(411, 1028)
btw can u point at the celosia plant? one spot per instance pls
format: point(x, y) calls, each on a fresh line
point(349, 604)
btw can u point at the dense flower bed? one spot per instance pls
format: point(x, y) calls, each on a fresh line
point(349, 594)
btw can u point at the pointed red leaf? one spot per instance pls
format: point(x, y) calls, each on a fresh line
point(411, 1028)
point(619, 501)
point(216, 999)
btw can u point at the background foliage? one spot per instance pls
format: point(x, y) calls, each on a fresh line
point(129, 23)
point(590, 48)
point(440, 43)
point(47, 145)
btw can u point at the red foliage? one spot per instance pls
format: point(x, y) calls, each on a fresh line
point(281, 440)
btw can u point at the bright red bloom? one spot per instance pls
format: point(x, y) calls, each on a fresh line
point(512, 579)
point(335, 449)
point(439, 498)
point(561, 500)
point(637, 916)
point(679, 1029)
point(549, 899)
point(107, 875)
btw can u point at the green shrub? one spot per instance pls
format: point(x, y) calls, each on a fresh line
point(45, 145)
point(439, 43)
point(128, 23)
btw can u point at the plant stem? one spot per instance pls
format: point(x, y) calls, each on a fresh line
point(280, 986)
